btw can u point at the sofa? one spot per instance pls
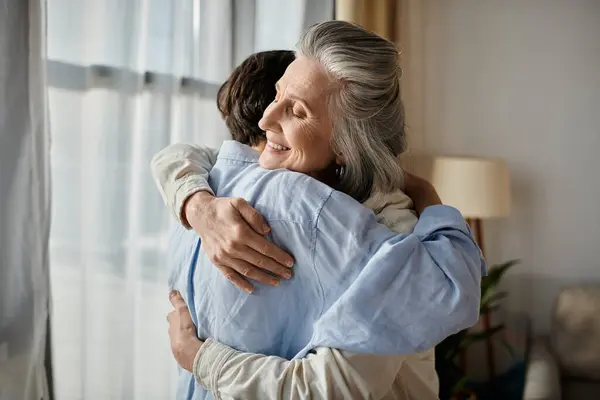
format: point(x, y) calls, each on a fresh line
point(566, 364)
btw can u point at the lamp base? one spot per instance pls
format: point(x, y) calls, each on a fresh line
point(476, 228)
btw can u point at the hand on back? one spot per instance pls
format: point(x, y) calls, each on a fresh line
point(232, 236)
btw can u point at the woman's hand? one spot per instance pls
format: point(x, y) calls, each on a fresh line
point(232, 234)
point(182, 332)
point(421, 192)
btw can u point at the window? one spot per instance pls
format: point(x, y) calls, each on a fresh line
point(126, 79)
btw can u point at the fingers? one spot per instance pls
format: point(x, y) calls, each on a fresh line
point(176, 299)
point(236, 278)
point(271, 257)
point(248, 255)
point(178, 303)
point(251, 216)
point(252, 272)
point(236, 244)
point(181, 311)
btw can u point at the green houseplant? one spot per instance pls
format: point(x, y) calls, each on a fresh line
point(453, 379)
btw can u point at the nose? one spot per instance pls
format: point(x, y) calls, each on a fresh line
point(270, 120)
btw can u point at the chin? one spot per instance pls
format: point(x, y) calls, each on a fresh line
point(267, 161)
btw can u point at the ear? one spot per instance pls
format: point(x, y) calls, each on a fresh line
point(340, 160)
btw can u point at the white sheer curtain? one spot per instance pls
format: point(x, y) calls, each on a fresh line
point(126, 79)
point(24, 201)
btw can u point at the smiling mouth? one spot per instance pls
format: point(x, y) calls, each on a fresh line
point(276, 146)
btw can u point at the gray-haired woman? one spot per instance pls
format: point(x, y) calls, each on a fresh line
point(338, 118)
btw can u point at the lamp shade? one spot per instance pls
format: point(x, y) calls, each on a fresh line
point(477, 187)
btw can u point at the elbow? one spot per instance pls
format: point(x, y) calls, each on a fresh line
point(466, 308)
point(158, 157)
point(461, 312)
point(156, 162)
point(162, 163)
point(471, 312)
point(466, 288)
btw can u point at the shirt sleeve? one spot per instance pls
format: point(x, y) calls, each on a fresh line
point(323, 374)
point(180, 170)
point(411, 291)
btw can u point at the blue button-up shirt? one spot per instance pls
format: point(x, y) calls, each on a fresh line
point(357, 286)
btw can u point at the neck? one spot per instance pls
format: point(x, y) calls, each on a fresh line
point(328, 175)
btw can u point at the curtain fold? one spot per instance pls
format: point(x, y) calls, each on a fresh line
point(24, 201)
point(126, 79)
point(379, 16)
point(401, 21)
point(411, 35)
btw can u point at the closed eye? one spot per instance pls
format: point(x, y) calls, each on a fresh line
point(298, 112)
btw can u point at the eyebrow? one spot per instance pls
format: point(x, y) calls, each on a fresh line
point(295, 98)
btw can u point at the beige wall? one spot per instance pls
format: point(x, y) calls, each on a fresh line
point(520, 80)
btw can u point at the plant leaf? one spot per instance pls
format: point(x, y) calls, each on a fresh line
point(479, 336)
point(495, 274)
point(458, 386)
point(491, 297)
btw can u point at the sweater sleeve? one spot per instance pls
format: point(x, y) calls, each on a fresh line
point(323, 374)
point(179, 171)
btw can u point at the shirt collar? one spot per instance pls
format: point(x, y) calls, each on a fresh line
point(232, 150)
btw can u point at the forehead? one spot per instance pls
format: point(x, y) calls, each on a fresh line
point(305, 78)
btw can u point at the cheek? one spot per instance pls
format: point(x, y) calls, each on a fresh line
point(307, 134)
point(314, 148)
point(321, 141)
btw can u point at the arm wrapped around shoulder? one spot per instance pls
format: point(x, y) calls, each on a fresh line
point(407, 292)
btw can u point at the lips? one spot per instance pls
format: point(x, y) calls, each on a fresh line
point(276, 146)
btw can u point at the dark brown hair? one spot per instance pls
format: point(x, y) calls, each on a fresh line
point(248, 91)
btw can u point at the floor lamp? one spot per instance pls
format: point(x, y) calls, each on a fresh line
point(480, 189)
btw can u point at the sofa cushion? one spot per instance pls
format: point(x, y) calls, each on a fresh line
point(542, 381)
point(576, 331)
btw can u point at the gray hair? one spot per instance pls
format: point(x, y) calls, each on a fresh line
point(365, 107)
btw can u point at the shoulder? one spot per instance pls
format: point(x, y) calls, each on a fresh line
point(277, 194)
point(296, 195)
point(232, 162)
point(341, 212)
point(234, 151)
point(395, 210)
point(295, 182)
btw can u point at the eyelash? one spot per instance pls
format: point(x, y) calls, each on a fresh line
point(290, 110)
